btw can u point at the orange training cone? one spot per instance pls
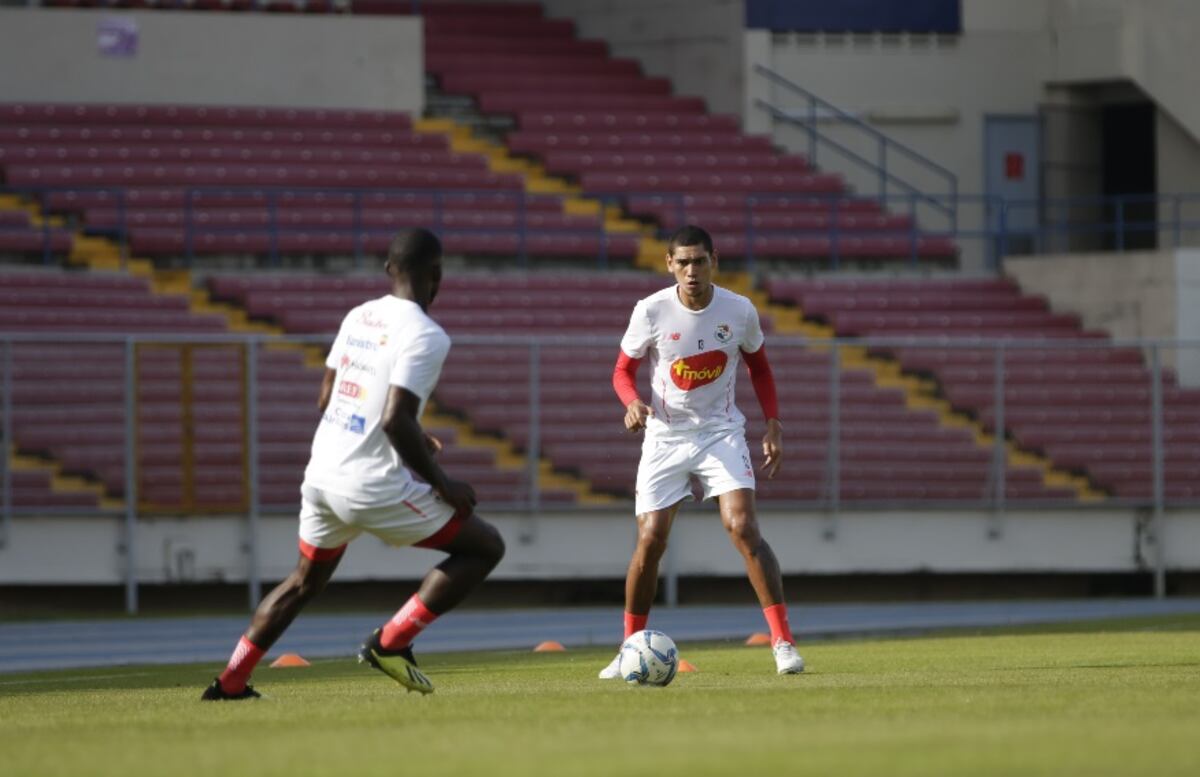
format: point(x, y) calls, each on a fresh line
point(549, 646)
point(758, 638)
point(687, 666)
point(288, 660)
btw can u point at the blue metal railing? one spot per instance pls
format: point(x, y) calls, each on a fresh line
point(817, 109)
point(1097, 223)
point(980, 490)
point(274, 199)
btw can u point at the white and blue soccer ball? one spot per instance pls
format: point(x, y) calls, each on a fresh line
point(649, 658)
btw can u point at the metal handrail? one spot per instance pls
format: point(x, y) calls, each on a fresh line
point(995, 225)
point(883, 141)
point(991, 495)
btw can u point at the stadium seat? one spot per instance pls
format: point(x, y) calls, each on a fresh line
point(1085, 406)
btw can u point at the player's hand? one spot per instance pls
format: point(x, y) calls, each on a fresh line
point(772, 448)
point(458, 495)
point(636, 414)
point(432, 444)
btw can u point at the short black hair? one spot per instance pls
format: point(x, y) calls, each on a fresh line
point(413, 250)
point(689, 235)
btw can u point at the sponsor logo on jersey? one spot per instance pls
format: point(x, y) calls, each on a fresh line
point(675, 335)
point(349, 388)
point(343, 419)
point(363, 343)
point(357, 365)
point(368, 319)
point(692, 372)
point(724, 333)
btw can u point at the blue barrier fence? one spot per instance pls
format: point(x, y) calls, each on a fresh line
point(1066, 225)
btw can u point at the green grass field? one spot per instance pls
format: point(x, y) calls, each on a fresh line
point(1117, 698)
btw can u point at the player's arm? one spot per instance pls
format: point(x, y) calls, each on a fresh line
point(625, 384)
point(326, 388)
point(404, 431)
point(763, 381)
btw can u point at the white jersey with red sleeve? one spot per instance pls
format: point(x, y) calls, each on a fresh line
point(384, 342)
point(693, 357)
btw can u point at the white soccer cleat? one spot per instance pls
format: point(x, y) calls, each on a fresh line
point(613, 670)
point(787, 660)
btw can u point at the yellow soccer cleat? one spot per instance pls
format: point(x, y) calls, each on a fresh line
point(396, 664)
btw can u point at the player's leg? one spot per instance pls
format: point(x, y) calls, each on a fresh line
point(474, 552)
point(726, 473)
point(663, 482)
point(474, 548)
point(323, 539)
point(738, 518)
point(641, 578)
point(274, 614)
point(281, 606)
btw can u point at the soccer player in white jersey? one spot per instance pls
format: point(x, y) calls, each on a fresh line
point(380, 371)
point(694, 334)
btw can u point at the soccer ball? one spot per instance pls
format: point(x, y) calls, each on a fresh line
point(648, 658)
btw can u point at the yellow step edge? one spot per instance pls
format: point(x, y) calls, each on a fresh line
point(236, 319)
point(580, 206)
point(651, 254)
point(919, 395)
point(540, 184)
point(623, 226)
point(59, 482)
point(171, 282)
point(509, 459)
point(432, 125)
point(75, 484)
point(511, 166)
point(51, 221)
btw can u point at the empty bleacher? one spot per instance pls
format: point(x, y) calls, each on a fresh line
point(888, 451)
point(68, 403)
point(179, 180)
point(69, 400)
point(1086, 408)
point(625, 137)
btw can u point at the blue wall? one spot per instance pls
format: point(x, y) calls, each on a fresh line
point(944, 16)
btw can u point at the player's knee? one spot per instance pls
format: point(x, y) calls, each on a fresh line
point(743, 530)
point(652, 545)
point(494, 548)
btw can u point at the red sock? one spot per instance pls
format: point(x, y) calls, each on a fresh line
point(635, 623)
point(776, 616)
point(406, 624)
point(245, 657)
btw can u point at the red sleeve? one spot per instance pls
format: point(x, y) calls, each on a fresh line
point(625, 378)
point(764, 382)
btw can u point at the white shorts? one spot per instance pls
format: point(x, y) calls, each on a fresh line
point(719, 460)
point(329, 521)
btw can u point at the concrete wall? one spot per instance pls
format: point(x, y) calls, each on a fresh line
point(931, 94)
point(597, 546)
point(1152, 294)
point(1147, 42)
point(1017, 57)
point(215, 59)
point(1177, 166)
point(695, 43)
